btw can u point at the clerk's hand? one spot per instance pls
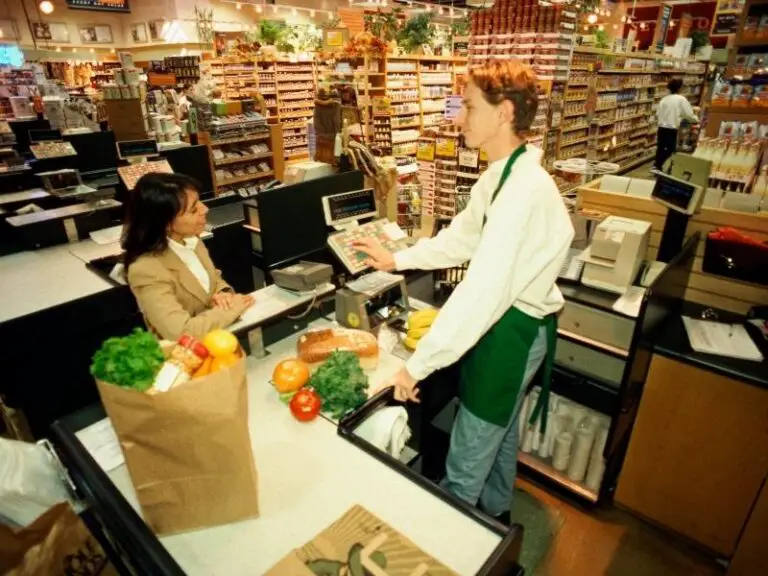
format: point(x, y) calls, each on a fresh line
point(405, 386)
point(379, 258)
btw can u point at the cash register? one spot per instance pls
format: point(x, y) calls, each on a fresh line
point(375, 298)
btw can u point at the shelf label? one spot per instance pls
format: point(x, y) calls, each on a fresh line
point(446, 147)
point(425, 150)
point(468, 158)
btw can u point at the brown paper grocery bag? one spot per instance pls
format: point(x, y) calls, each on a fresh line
point(188, 450)
point(56, 544)
point(359, 544)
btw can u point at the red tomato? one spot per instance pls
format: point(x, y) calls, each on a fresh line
point(305, 405)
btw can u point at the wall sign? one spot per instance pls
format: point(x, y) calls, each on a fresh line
point(725, 24)
point(103, 5)
point(665, 16)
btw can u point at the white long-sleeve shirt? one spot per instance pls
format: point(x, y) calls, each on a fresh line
point(186, 253)
point(673, 109)
point(515, 259)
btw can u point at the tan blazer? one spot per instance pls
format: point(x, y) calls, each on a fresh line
point(173, 301)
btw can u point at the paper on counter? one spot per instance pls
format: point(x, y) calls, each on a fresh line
point(730, 340)
point(629, 302)
point(107, 235)
point(394, 232)
point(373, 283)
point(101, 442)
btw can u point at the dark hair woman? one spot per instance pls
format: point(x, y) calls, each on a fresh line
point(170, 273)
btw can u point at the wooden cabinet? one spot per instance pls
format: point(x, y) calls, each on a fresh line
point(751, 555)
point(698, 454)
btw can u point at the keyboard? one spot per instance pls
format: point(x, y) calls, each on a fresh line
point(387, 233)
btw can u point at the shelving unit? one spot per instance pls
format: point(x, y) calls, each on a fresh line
point(237, 78)
point(245, 157)
point(295, 101)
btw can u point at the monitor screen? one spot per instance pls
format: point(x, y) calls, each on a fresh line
point(195, 163)
point(21, 129)
point(95, 150)
point(292, 219)
point(62, 179)
point(341, 208)
point(137, 148)
point(673, 192)
point(44, 135)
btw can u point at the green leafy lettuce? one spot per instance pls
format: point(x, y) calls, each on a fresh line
point(341, 383)
point(132, 361)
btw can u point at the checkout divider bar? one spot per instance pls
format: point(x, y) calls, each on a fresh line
point(147, 555)
point(503, 560)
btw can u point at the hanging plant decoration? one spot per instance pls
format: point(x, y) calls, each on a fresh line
point(417, 32)
point(384, 25)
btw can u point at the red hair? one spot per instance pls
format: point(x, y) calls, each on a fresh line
point(511, 80)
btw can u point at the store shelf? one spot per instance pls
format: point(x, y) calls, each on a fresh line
point(558, 477)
point(245, 178)
point(227, 161)
point(573, 142)
point(250, 138)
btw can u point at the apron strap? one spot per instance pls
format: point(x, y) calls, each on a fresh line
point(504, 175)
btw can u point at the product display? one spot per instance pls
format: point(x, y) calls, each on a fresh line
point(130, 174)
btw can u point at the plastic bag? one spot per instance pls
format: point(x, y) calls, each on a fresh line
point(29, 482)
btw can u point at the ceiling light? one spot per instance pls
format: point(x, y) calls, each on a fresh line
point(615, 26)
point(623, 19)
point(592, 18)
point(111, 50)
point(238, 6)
point(293, 11)
point(58, 48)
point(274, 8)
point(91, 50)
point(586, 28)
point(601, 27)
point(330, 15)
point(74, 49)
point(46, 6)
point(258, 9)
point(312, 13)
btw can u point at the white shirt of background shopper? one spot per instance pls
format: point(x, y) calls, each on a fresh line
point(673, 109)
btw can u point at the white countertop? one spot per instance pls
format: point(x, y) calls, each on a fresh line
point(40, 279)
point(309, 477)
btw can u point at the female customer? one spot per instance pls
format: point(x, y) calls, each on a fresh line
point(499, 323)
point(168, 267)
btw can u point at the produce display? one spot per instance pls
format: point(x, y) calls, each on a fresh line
point(138, 361)
point(305, 405)
point(341, 383)
point(419, 323)
point(316, 346)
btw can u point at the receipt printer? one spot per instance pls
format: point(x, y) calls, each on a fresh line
point(614, 257)
point(372, 300)
point(303, 277)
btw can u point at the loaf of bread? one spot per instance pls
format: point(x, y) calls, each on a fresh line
point(316, 345)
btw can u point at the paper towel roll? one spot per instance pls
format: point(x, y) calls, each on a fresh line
point(595, 474)
point(577, 465)
point(545, 446)
point(562, 451)
point(601, 437)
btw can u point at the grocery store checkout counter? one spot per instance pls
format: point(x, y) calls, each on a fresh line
point(309, 474)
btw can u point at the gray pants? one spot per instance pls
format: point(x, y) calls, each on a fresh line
point(482, 459)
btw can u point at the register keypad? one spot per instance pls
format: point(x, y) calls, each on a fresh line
point(354, 260)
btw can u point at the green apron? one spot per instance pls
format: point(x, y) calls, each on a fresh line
point(492, 372)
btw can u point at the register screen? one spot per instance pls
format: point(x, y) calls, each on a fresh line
point(674, 192)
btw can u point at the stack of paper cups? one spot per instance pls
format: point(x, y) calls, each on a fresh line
point(562, 451)
point(577, 466)
point(596, 460)
point(545, 446)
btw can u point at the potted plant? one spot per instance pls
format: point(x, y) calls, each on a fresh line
point(416, 32)
point(385, 26)
point(699, 39)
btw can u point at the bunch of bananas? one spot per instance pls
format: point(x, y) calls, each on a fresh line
point(419, 323)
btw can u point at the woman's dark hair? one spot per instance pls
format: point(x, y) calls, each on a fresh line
point(152, 206)
point(511, 80)
point(674, 85)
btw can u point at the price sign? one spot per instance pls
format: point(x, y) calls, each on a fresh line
point(468, 158)
point(103, 5)
point(446, 147)
point(725, 24)
point(426, 150)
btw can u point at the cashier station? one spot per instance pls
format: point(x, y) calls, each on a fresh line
point(330, 211)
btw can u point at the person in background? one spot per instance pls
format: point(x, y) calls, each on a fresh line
point(168, 267)
point(499, 322)
point(673, 109)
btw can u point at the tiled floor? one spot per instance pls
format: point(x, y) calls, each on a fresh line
point(612, 543)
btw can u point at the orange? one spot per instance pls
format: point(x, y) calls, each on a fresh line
point(205, 368)
point(220, 342)
point(290, 375)
point(225, 361)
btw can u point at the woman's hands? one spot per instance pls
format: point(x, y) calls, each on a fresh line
point(226, 300)
point(379, 258)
